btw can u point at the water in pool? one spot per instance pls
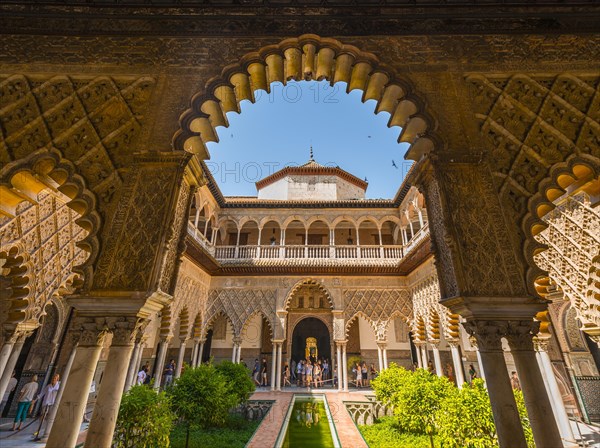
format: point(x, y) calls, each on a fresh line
point(308, 425)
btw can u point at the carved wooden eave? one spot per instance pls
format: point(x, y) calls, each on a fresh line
point(200, 256)
point(291, 17)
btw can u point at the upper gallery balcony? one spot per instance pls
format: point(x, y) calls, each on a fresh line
point(317, 245)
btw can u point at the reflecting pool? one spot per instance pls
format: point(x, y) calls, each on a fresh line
point(308, 424)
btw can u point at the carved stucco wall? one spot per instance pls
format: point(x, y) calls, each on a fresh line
point(572, 258)
point(47, 235)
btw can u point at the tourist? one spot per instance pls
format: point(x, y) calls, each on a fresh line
point(325, 372)
point(12, 383)
point(373, 372)
point(293, 369)
point(147, 370)
point(317, 375)
point(450, 372)
point(299, 372)
point(309, 373)
point(358, 371)
point(430, 367)
point(169, 372)
point(514, 381)
point(256, 372)
point(141, 376)
point(365, 374)
point(49, 398)
point(263, 373)
point(286, 376)
point(472, 372)
point(26, 398)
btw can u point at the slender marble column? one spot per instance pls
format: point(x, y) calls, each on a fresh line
point(384, 359)
point(200, 352)
point(437, 360)
point(238, 355)
point(424, 357)
point(63, 383)
point(273, 365)
point(558, 406)
point(380, 357)
point(345, 367)
point(106, 410)
point(131, 371)
point(160, 361)
point(457, 362)
point(194, 353)
point(418, 351)
point(5, 354)
point(340, 377)
point(504, 408)
point(520, 339)
point(181, 355)
point(279, 360)
point(75, 395)
point(12, 362)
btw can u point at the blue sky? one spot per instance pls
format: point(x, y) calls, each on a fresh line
point(279, 128)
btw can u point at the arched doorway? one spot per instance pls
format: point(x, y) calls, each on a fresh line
point(311, 337)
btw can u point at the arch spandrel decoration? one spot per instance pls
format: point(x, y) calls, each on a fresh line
point(309, 282)
point(238, 305)
point(378, 306)
point(306, 58)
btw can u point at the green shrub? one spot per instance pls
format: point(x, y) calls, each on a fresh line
point(201, 397)
point(385, 433)
point(415, 396)
point(145, 419)
point(524, 418)
point(465, 418)
point(238, 380)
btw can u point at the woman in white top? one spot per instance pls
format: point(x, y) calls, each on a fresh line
point(26, 396)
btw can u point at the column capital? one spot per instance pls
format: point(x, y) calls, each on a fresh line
point(341, 342)
point(237, 340)
point(92, 330)
point(125, 329)
point(435, 343)
point(382, 344)
point(453, 343)
point(487, 333)
point(541, 344)
point(520, 334)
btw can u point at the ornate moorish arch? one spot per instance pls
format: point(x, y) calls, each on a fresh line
point(308, 57)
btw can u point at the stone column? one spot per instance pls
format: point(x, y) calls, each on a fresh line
point(473, 342)
point(238, 356)
point(200, 352)
point(75, 395)
point(194, 353)
point(436, 359)
point(133, 365)
point(63, 383)
point(338, 349)
point(160, 360)
point(181, 355)
point(5, 354)
point(382, 346)
point(273, 365)
point(345, 366)
point(424, 355)
point(520, 339)
point(380, 357)
point(234, 351)
point(504, 408)
point(418, 351)
point(104, 418)
point(19, 340)
point(279, 361)
point(558, 406)
point(457, 362)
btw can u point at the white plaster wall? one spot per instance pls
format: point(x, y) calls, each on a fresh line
point(224, 343)
point(276, 190)
point(311, 187)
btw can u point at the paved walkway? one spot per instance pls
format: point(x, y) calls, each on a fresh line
point(267, 432)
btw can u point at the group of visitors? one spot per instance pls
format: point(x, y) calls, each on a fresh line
point(312, 372)
point(27, 398)
point(364, 375)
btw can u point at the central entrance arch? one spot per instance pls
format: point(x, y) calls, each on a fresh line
point(311, 337)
